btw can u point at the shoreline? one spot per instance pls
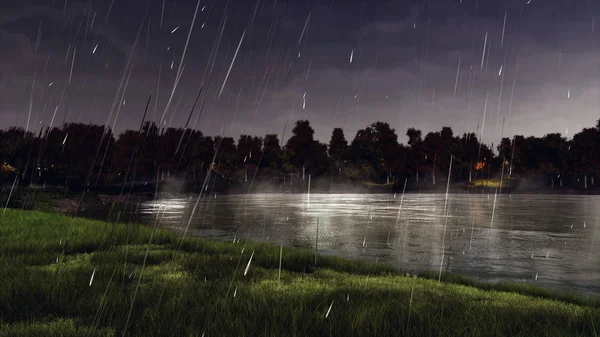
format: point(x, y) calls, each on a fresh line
point(86, 272)
point(68, 203)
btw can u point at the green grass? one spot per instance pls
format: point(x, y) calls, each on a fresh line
point(186, 287)
point(35, 198)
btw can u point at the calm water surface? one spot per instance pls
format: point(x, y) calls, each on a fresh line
point(544, 239)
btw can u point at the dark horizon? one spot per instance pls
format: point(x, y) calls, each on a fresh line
point(83, 156)
point(287, 131)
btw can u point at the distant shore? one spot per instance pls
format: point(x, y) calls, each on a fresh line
point(64, 200)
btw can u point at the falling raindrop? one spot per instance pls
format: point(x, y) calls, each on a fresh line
point(503, 30)
point(92, 278)
point(457, 76)
point(280, 256)
point(248, 266)
point(484, 49)
point(412, 291)
point(329, 310)
point(304, 101)
point(232, 62)
point(304, 29)
point(72, 65)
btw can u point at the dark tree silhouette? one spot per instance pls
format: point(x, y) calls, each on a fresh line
point(75, 154)
point(338, 147)
point(226, 164)
point(272, 159)
point(300, 148)
point(249, 151)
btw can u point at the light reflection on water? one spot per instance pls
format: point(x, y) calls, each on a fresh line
point(531, 234)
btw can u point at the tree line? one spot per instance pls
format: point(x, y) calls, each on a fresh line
point(82, 155)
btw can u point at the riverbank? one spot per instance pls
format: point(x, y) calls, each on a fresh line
point(63, 200)
point(68, 276)
point(66, 202)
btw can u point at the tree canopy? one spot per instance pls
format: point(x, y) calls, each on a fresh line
point(91, 155)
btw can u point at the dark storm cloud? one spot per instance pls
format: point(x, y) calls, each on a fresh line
point(539, 72)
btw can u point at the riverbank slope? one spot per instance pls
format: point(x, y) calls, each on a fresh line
point(66, 276)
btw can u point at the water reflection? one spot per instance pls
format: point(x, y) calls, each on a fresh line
point(550, 236)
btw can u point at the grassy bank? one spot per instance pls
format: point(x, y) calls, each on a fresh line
point(64, 276)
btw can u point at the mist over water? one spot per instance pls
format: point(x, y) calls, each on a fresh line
point(548, 237)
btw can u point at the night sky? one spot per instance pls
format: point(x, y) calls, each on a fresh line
point(337, 63)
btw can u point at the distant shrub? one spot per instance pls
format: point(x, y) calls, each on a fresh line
point(18, 198)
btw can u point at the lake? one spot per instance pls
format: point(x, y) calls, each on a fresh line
point(543, 239)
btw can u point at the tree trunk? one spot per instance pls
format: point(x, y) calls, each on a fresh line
point(433, 172)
